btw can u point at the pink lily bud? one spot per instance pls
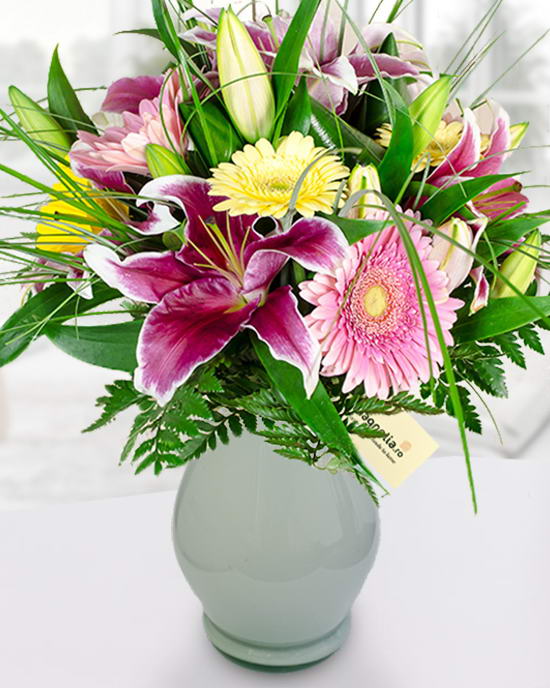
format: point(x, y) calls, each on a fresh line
point(453, 259)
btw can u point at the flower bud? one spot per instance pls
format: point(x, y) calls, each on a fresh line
point(249, 96)
point(427, 111)
point(38, 124)
point(163, 162)
point(519, 267)
point(517, 134)
point(453, 259)
point(364, 179)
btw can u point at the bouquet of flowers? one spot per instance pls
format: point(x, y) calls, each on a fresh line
point(297, 223)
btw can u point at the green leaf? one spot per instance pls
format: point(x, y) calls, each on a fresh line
point(166, 28)
point(511, 348)
point(488, 375)
point(286, 64)
point(426, 112)
point(107, 346)
point(331, 131)
point(450, 200)
point(355, 230)
point(500, 316)
point(373, 109)
point(211, 129)
point(531, 338)
point(318, 412)
point(298, 114)
point(64, 103)
point(121, 394)
point(58, 303)
point(502, 235)
point(396, 165)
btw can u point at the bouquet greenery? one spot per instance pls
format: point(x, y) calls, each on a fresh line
point(297, 223)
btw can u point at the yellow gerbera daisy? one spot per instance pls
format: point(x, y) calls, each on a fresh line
point(61, 234)
point(261, 179)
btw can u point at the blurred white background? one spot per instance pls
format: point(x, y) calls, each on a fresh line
point(46, 398)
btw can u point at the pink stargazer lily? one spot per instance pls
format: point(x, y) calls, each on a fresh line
point(482, 149)
point(215, 286)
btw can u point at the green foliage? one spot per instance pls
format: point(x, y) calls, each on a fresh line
point(219, 402)
point(355, 230)
point(449, 201)
point(55, 304)
point(286, 64)
point(395, 168)
point(64, 103)
point(330, 130)
point(501, 316)
point(298, 114)
point(479, 369)
point(108, 346)
point(371, 109)
point(211, 130)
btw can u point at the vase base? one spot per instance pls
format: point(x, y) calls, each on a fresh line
point(277, 658)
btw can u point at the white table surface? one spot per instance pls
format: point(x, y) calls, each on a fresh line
point(91, 595)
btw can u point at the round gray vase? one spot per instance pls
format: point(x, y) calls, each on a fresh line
point(275, 550)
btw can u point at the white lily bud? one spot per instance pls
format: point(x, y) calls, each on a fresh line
point(249, 97)
point(453, 259)
point(364, 179)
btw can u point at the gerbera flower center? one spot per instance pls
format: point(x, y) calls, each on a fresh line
point(376, 301)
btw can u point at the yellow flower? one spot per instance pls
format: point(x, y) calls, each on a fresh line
point(445, 140)
point(60, 234)
point(262, 180)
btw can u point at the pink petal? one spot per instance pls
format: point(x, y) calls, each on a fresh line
point(330, 95)
point(103, 179)
point(481, 294)
point(341, 73)
point(188, 327)
point(191, 194)
point(498, 150)
point(126, 94)
point(315, 243)
point(200, 36)
point(143, 276)
point(464, 154)
point(389, 66)
point(279, 324)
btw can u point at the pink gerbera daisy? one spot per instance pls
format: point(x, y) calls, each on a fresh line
point(368, 319)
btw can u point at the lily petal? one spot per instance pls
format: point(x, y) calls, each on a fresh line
point(143, 277)
point(126, 94)
point(188, 327)
point(279, 324)
point(502, 201)
point(481, 293)
point(389, 66)
point(498, 151)
point(464, 154)
point(191, 194)
point(317, 244)
point(102, 178)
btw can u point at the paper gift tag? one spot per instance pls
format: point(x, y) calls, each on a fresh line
point(403, 449)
